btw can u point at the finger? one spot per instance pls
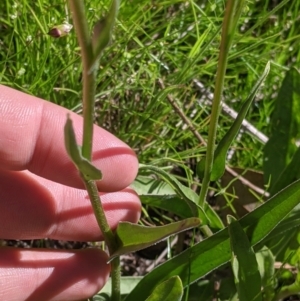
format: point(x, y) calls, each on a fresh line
point(34, 208)
point(32, 137)
point(51, 275)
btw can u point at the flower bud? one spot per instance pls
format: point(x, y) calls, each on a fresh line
point(60, 30)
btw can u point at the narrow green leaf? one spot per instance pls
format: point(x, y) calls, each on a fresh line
point(190, 63)
point(102, 31)
point(244, 264)
point(84, 166)
point(283, 228)
point(206, 256)
point(284, 125)
point(222, 148)
point(169, 290)
point(194, 52)
point(132, 237)
point(189, 196)
point(279, 239)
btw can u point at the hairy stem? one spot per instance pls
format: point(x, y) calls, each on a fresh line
point(89, 87)
point(116, 279)
point(99, 213)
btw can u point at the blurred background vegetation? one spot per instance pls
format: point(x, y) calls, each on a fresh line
point(160, 50)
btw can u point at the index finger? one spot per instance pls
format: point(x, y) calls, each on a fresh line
point(32, 138)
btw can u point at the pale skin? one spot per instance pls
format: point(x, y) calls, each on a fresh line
point(41, 195)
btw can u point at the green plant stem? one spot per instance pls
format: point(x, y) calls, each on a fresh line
point(108, 235)
point(232, 13)
point(89, 87)
point(116, 279)
point(89, 78)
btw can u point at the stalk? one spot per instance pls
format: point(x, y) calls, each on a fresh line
point(232, 13)
point(89, 79)
point(88, 98)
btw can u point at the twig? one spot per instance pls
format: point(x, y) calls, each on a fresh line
point(247, 183)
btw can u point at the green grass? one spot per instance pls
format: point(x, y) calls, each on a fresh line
point(158, 49)
point(174, 41)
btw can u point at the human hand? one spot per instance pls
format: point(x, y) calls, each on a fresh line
point(41, 195)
